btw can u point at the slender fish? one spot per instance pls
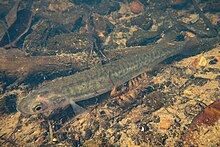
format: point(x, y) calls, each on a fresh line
point(89, 83)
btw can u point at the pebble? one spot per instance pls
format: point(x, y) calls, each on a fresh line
point(165, 123)
point(202, 61)
point(136, 7)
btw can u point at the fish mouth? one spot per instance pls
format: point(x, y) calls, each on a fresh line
point(19, 109)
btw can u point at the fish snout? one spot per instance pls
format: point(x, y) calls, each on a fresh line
point(24, 108)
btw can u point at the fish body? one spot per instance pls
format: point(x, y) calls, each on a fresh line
point(97, 80)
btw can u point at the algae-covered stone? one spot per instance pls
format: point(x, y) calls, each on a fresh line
point(69, 43)
point(36, 42)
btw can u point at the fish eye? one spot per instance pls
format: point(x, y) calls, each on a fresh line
point(38, 107)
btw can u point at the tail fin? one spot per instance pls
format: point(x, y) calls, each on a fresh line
point(197, 45)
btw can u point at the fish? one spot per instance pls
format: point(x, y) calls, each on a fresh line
point(99, 79)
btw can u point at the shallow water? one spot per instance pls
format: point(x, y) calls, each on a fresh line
point(65, 36)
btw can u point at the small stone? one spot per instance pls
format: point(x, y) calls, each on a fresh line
point(59, 5)
point(54, 140)
point(194, 18)
point(165, 123)
point(190, 34)
point(202, 61)
point(187, 92)
point(136, 7)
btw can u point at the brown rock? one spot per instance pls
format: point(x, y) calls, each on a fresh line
point(206, 121)
point(165, 123)
point(59, 5)
point(136, 7)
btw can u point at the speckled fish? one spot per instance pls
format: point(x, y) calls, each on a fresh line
point(97, 80)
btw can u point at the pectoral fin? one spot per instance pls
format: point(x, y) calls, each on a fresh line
point(76, 108)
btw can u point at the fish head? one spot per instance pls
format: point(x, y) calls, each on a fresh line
point(40, 102)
